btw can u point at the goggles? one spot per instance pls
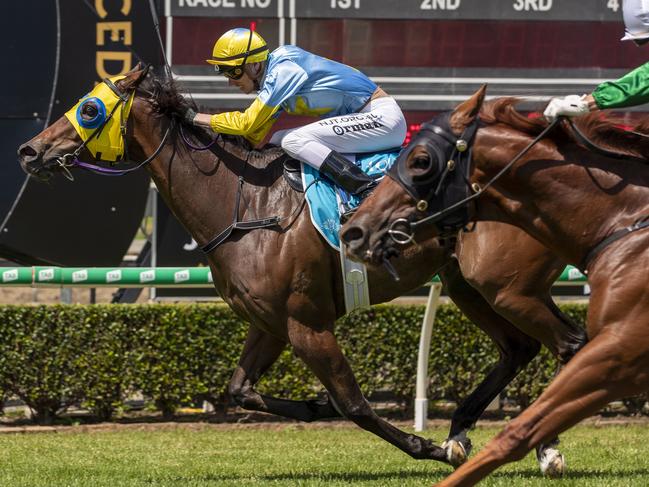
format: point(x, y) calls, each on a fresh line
point(230, 72)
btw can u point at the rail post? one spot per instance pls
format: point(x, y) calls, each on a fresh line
point(421, 398)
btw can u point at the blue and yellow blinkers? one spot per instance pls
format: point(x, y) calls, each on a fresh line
point(103, 111)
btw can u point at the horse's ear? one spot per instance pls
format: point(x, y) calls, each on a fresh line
point(134, 76)
point(467, 111)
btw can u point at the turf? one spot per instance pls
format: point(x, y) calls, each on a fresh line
point(290, 455)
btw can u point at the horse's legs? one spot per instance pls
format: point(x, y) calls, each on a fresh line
point(515, 273)
point(319, 349)
point(260, 351)
point(614, 364)
point(515, 348)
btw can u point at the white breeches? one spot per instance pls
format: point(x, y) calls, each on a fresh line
point(380, 125)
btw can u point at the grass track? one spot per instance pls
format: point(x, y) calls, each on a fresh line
point(290, 455)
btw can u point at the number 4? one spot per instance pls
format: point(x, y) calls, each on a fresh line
point(614, 5)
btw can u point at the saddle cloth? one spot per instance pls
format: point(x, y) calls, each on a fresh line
point(325, 199)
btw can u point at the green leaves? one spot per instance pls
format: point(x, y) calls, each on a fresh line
point(53, 357)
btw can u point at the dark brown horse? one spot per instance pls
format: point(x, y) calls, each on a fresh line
point(591, 209)
point(286, 281)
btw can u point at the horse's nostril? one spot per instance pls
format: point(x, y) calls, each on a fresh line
point(353, 235)
point(27, 150)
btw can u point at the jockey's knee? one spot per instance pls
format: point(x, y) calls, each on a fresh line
point(277, 137)
point(291, 143)
point(304, 148)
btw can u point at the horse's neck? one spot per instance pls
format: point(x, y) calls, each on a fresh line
point(568, 206)
point(201, 189)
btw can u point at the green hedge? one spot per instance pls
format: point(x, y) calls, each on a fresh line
point(53, 357)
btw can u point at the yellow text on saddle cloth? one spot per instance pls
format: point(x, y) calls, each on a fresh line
point(108, 114)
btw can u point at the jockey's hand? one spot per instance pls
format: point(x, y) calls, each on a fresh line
point(569, 106)
point(189, 116)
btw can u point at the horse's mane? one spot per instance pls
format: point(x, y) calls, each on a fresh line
point(609, 133)
point(168, 101)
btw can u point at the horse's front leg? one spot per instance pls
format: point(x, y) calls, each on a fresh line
point(260, 351)
point(319, 349)
point(516, 351)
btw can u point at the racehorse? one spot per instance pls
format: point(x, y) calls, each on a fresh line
point(285, 280)
point(587, 203)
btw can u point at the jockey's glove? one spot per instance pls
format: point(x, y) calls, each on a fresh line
point(189, 116)
point(569, 106)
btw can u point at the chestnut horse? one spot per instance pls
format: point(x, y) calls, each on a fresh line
point(591, 209)
point(285, 279)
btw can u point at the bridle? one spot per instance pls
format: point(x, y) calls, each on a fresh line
point(71, 160)
point(452, 153)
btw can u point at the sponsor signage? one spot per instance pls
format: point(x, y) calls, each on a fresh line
point(582, 10)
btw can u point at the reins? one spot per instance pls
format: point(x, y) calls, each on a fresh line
point(399, 236)
point(590, 145)
point(236, 223)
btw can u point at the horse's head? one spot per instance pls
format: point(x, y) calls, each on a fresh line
point(93, 128)
point(435, 160)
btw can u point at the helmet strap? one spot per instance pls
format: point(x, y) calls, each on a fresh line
point(245, 58)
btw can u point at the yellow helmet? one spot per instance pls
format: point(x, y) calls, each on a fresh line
point(237, 47)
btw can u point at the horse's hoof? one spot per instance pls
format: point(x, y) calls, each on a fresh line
point(456, 454)
point(552, 463)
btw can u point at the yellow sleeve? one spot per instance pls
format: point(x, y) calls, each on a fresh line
point(253, 123)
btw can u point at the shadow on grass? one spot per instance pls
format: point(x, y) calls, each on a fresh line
point(423, 475)
point(337, 476)
point(576, 474)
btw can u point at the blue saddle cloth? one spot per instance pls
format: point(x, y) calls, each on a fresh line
point(324, 198)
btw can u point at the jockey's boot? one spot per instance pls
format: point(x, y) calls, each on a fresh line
point(347, 175)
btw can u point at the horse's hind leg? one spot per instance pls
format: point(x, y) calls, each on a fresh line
point(260, 351)
point(319, 349)
point(611, 366)
point(515, 349)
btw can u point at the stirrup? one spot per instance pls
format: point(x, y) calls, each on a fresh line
point(347, 214)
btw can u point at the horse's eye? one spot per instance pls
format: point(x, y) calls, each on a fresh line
point(420, 162)
point(89, 111)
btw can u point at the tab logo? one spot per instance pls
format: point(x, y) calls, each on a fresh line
point(78, 276)
point(181, 276)
point(147, 276)
point(10, 275)
point(46, 275)
point(113, 276)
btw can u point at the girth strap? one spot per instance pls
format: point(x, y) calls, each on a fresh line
point(638, 225)
point(238, 225)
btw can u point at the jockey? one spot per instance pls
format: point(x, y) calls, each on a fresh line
point(631, 89)
point(358, 116)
